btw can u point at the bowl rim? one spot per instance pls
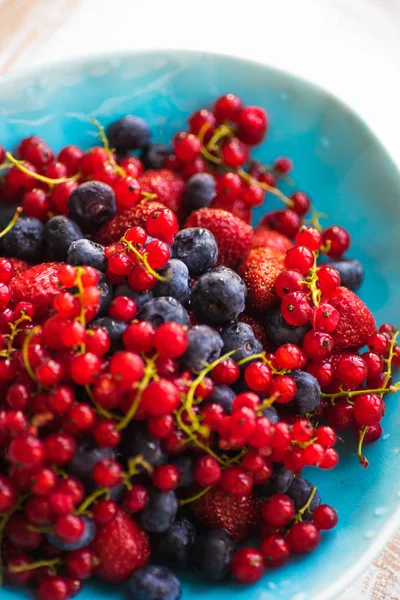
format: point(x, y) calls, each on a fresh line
point(89, 59)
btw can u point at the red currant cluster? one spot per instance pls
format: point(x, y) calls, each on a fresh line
point(137, 258)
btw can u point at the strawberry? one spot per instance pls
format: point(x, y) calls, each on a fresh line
point(38, 284)
point(240, 516)
point(264, 237)
point(121, 547)
point(166, 184)
point(136, 215)
point(233, 235)
point(236, 206)
point(259, 271)
point(258, 328)
point(19, 265)
point(356, 321)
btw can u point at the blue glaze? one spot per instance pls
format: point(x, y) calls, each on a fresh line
point(348, 175)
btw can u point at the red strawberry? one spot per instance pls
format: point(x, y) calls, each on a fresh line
point(122, 548)
point(233, 235)
point(236, 206)
point(259, 271)
point(38, 284)
point(356, 321)
point(136, 215)
point(239, 516)
point(259, 330)
point(264, 237)
point(166, 184)
point(19, 265)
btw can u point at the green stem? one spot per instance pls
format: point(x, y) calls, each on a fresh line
point(300, 513)
point(11, 224)
point(117, 168)
point(143, 259)
point(51, 182)
point(36, 565)
point(264, 186)
point(149, 372)
point(202, 493)
point(90, 499)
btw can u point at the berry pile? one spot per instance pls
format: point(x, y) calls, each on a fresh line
point(167, 370)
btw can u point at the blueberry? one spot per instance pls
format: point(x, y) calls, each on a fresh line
point(300, 491)
point(204, 346)
point(199, 191)
point(114, 328)
point(175, 544)
point(224, 396)
point(240, 336)
point(272, 414)
point(185, 464)
point(177, 284)
point(218, 296)
point(91, 204)
point(137, 440)
point(106, 295)
point(197, 248)
point(280, 332)
point(351, 272)
point(86, 538)
point(85, 457)
point(140, 298)
point(160, 512)
point(128, 133)
point(153, 583)
point(86, 252)
point(308, 394)
point(163, 310)
point(154, 155)
point(212, 554)
point(279, 483)
point(25, 240)
point(59, 233)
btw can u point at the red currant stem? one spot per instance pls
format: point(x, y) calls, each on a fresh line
point(59, 472)
point(302, 510)
point(194, 439)
point(19, 164)
point(311, 282)
point(4, 518)
point(148, 195)
point(202, 493)
point(304, 444)
point(361, 457)
point(11, 224)
point(203, 130)
point(143, 259)
point(14, 330)
point(90, 499)
point(136, 461)
point(41, 419)
point(102, 134)
point(210, 157)
point(267, 402)
point(221, 132)
point(35, 565)
point(238, 457)
point(314, 219)
point(38, 529)
point(264, 359)
point(4, 166)
point(264, 186)
point(25, 352)
point(103, 412)
point(149, 372)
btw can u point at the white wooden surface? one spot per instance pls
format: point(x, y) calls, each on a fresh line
point(351, 47)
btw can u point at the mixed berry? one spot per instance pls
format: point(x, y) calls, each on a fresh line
point(168, 370)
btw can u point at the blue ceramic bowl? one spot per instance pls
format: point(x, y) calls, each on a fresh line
point(349, 176)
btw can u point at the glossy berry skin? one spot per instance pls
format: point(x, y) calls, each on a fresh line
point(166, 477)
point(258, 376)
point(8, 494)
point(236, 481)
point(186, 146)
point(318, 344)
point(276, 550)
point(287, 356)
point(325, 318)
point(301, 203)
point(296, 309)
point(337, 239)
point(171, 340)
point(278, 510)
point(252, 122)
point(227, 108)
point(234, 153)
point(351, 370)
point(325, 517)
point(207, 471)
point(299, 258)
point(328, 279)
point(288, 281)
point(368, 409)
point(212, 554)
point(147, 583)
point(303, 537)
point(247, 565)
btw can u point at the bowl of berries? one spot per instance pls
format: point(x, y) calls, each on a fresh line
point(199, 294)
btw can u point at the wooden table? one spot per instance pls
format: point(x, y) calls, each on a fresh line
point(39, 31)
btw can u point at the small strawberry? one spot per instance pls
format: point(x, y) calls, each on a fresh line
point(136, 215)
point(233, 235)
point(264, 237)
point(356, 321)
point(166, 184)
point(259, 272)
point(236, 206)
point(239, 516)
point(19, 265)
point(121, 547)
point(38, 285)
